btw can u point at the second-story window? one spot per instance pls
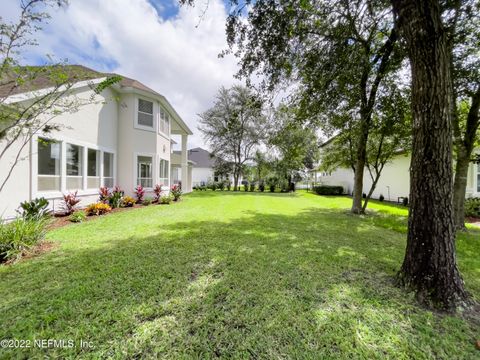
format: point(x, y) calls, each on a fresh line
point(145, 113)
point(164, 122)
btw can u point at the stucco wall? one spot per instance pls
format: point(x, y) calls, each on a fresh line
point(93, 125)
point(200, 175)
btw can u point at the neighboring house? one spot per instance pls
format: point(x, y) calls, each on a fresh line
point(123, 139)
point(203, 167)
point(394, 181)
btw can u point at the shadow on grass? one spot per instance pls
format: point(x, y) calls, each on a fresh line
point(314, 284)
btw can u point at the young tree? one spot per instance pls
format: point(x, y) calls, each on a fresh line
point(429, 266)
point(390, 134)
point(234, 127)
point(21, 120)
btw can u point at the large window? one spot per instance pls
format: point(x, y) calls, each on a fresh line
point(108, 169)
point(144, 171)
point(74, 167)
point(145, 113)
point(48, 165)
point(164, 171)
point(93, 169)
point(164, 122)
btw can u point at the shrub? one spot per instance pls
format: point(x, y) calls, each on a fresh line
point(472, 207)
point(97, 209)
point(165, 199)
point(115, 199)
point(221, 185)
point(328, 190)
point(229, 185)
point(78, 217)
point(405, 201)
point(381, 197)
point(19, 236)
point(212, 186)
point(70, 200)
point(139, 193)
point(147, 201)
point(35, 209)
point(176, 192)
point(157, 191)
point(272, 188)
point(128, 201)
point(364, 195)
point(252, 186)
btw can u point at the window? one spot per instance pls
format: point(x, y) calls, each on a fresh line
point(478, 177)
point(164, 172)
point(164, 122)
point(145, 113)
point(93, 169)
point(108, 170)
point(48, 165)
point(144, 171)
point(74, 167)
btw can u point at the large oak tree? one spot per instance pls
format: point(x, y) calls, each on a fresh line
point(429, 266)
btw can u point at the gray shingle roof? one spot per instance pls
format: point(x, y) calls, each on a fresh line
point(201, 157)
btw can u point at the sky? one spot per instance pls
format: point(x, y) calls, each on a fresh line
point(174, 50)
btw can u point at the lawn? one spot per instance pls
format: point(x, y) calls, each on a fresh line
point(235, 275)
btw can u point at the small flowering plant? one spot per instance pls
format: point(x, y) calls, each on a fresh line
point(176, 192)
point(139, 193)
point(158, 192)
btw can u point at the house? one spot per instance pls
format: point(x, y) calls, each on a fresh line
point(122, 138)
point(394, 181)
point(203, 167)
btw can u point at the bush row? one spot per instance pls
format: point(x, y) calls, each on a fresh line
point(328, 190)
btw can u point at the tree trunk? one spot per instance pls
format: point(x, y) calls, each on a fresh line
point(235, 180)
point(429, 266)
point(360, 167)
point(464, 152)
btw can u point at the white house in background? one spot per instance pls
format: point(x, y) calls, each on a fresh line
point(123, 138)
point(203, 163)
point(394, 181)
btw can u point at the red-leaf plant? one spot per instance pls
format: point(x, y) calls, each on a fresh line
point(70, 201)
point(139, 193)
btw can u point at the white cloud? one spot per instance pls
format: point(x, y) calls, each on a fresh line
point(174, 56)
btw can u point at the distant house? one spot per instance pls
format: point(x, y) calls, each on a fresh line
point(123, 139)
point(394, 181)
point(203, 167)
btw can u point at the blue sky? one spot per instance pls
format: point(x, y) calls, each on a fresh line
point(157, 42)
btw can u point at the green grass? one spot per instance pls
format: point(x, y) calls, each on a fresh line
point(234, 275)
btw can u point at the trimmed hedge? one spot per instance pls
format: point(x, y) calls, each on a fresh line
point(328, 190)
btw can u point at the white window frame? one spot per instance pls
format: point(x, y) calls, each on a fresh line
point(165, 180)
point(135, 169)
point(154, 119)
point(160, 120)
point(62, 140)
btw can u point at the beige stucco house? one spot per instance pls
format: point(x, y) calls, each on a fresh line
point(123, 137)
point(394, 181)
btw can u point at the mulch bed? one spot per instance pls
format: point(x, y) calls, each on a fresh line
point(61, 220)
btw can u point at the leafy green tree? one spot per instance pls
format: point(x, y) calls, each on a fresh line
point(390, 134)
point(234, 127)
point(295, 145)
